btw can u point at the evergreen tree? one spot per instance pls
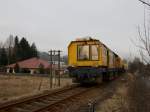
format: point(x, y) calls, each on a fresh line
point(34, 52)
point(0, 55)
point(25, 51)
point(3, 57)
point(16, 50)
point(16, 54)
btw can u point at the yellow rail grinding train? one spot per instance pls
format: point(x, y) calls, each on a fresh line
point(90, 61)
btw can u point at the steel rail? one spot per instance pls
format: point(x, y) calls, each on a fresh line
point(11, 104)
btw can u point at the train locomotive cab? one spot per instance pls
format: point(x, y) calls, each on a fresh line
point(87, 59)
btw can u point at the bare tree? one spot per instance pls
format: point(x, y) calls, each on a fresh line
point(146, 2)
point(10, 41)
point(143, 40)
point(9, 44)
point(1, 45)
point(144, 43)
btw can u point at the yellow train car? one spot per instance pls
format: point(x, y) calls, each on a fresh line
point(87, 53)
point(89, 60)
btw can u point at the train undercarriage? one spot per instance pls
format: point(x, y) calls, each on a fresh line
point(93, 74)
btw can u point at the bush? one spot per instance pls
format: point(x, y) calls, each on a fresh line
point(41, 69)
point(17, 68)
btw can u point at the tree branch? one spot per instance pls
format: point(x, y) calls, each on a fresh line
point(148, 4)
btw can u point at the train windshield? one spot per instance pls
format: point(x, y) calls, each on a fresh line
point(88, 52)
point(83, 52)
point(94, 52)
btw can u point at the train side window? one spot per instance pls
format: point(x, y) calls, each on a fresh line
point(104, 51)
point(83, 52)
point(94, 52)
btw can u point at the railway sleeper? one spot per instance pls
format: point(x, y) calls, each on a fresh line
point(39, 103)
point(25, 106)
point(17, 109)
point(32, 106)
point(45, 101)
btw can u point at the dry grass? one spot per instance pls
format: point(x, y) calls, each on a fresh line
point(130, 96)
point(139, 95)
point(17, 86)
point(118, 102)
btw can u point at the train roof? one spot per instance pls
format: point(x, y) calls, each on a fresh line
point(86, 39)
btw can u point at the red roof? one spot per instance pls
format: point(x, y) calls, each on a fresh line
point(31, 63)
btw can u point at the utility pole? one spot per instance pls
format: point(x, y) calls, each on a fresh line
point(54, 72)
point(54, 53)
point(59, 67)
point(51, 72)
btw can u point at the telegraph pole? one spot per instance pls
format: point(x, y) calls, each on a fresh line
point(54, 53)
point(51, 72)
point(59, 67)
point(54, 72)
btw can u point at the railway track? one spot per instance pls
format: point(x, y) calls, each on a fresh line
point(43, 101)
point(70, 99)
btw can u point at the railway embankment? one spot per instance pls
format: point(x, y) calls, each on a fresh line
point(131, 96)
point(139, 94)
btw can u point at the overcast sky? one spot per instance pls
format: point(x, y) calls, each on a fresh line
point(52, 24)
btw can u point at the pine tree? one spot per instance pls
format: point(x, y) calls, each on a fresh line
point(34, 52)
point(3, 57)
point(25, 51)
point(16, 50)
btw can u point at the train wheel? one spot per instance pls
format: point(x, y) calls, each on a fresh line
point(111, 75)
point(99, 79)
point(106, 76)
point(115, 74)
